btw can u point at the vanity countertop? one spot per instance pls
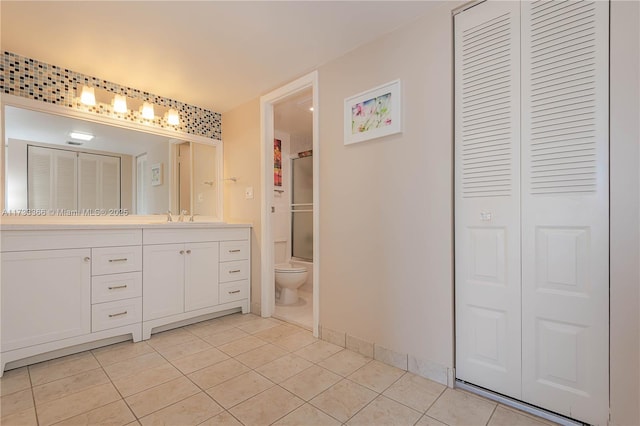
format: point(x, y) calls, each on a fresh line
point(43, 226)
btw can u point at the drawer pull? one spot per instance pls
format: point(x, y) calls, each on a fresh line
point(86, 259)
point(118, 314)
point(234, 251)
point(117, 286)
point(181, 251)
point(124, 259)
point(235, 271)
point(234, 292)
point(188, 251)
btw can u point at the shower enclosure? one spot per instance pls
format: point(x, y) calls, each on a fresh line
point(302, 208)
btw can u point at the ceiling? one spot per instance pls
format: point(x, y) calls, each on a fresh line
point(53, 129)
point(213, 54)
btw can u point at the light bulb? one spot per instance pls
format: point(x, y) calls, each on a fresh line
point(173, 117)
point(120, 103)
point(147, 111)
point(88, 96)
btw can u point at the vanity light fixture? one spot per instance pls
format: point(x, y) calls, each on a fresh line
point(120, 103)
point(311, 109)
point(147, 111)
point(173, 117)
point(88, 95)
point(81, 136)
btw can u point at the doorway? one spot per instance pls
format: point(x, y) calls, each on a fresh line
point(284, 140)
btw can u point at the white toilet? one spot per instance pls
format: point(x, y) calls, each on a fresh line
point(288, 279)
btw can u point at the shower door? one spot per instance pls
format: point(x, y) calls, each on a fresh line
point(302, 208)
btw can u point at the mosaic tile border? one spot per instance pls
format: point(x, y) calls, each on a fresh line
point(33, 79)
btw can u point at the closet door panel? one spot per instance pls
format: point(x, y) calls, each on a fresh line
point(565, 243)
point(487, 185)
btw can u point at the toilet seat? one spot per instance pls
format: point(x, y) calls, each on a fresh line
point(287, 268)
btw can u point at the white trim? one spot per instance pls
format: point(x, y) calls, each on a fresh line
point(266, 168)
point(175, 135)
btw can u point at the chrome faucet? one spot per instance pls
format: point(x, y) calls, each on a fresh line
point(191, 218)
point(182, 214)
point(169, 218)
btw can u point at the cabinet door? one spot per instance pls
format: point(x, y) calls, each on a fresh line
point(162, 280)
point(46, 296)
point(201, 279)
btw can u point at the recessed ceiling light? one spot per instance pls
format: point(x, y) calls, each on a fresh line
point(81, 136)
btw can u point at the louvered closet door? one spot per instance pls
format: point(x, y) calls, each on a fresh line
point(565, 203)
point(487, 185)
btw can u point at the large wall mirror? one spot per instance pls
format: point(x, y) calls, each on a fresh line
point(64, 165)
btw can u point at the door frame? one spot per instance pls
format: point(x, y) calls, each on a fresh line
point(267, 299)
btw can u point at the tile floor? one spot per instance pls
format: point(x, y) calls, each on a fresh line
point(235, 370)
point(300, 314)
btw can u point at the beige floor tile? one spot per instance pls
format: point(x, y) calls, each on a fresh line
point(456, 407)
point(207, 328)
point(278, 332)
point(145, 379)
point(283, 368)
point(311, 382)
point(266, 407)
point(60, 368)
point(504, 416)
point(224, 337)
point(21, 418)
point(239, 389)
point(242, 345)
point(415, 391)
point(343, 399)
point(191, 411)
point(261, 356)
point(114, 414)
point(72, 384)
point(261, 324)
point(377, 376)
point(307, 415)
point(200, 360)
point(218, 373)
point(134, 423)
point(318, 351)
point(429, 421)
point(384, 411)
point(171, 353)
point(131, 366)
point(295, 341)
point(344, 362)
point(154, 399)
point(173, 337)
point(238, 319)
point(14, 381)
point(222, 419)
point(119, 352)
point(15, 402)
point(76, 403)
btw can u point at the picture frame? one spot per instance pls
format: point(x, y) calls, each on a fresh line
point(373, 114)
point(277, 163)
point(156, 174)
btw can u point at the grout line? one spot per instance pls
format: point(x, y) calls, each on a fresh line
point(33, 396)
point(492, 413)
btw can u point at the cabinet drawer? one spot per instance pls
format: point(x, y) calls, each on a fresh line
point(116, 314)
point(234, 271)
point(115, 260)
point(107, 288)
point(234, 250)
point(233, 291)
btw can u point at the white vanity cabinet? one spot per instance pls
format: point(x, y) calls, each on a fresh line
point(46, 296)
point(46, 284)
point(182, 274)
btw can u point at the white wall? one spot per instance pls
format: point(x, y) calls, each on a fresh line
point(625, 212)
point(386, 214)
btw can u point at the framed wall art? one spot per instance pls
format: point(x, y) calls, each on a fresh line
point(373, 114)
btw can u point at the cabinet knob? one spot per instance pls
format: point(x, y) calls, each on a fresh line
point(86, 259)
point(181, 251)
point(188, 251)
